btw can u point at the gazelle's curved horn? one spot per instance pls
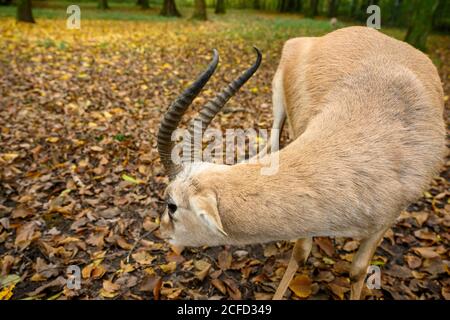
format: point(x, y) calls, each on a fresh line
point(172, 117)
point(212, 107)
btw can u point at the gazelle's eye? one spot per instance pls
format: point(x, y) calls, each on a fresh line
point(171, 208)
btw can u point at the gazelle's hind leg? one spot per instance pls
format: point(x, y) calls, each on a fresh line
point(300, 254)
point(279, 116)
point(361, 262)
point(279, 111)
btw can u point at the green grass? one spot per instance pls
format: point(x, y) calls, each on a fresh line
point(277, 24)
point(246, 23)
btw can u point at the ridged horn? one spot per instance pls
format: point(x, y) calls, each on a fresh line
point(212, 107)
point(173, 116)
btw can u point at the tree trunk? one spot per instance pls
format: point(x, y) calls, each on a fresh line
point(289, 5)
point(103, 4)
point(313, 8)
point(220, 7)
point(199, 10)
point(333, 6)
point(353, 8)
point(256, 5)
point(169, 9)
point(143, 4)
point(24, 12)
point(421, 23)
point(396, 12)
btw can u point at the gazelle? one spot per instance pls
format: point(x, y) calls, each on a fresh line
point(365, 113)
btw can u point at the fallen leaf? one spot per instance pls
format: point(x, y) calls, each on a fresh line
point(121, 242)
point(325, 245)
point(224, 260)
point(426, 252)
point(301, 286)
point(219, 285)
point(169, 267)
point(25, 234)
point(143, 258)
point(413, 261)
point(351, 246)
point(22, 212)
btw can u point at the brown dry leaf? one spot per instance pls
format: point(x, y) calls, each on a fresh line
point(420, 217)
point(325, 245)
point(263, 296)
point(109, 289)
point(157, 289)
point(338, 290)
point(44, 270)
point(219, 285)
point(143, 258)
point(326, 276)
point(98, 272)
point(172, 256)
point(149, 283)
point(6, 264)
point(58, 282)
point(233, 289)
point(301, 286)
point(270, 250)
point(203, 268)
point(25, 234)
point(22, 212)
point(93, 271)
point(121, 242)
point(109, 286)
point(87, 271)
point(351, 246)
point(418, 275)
point(171, 293)
point(224, 260)
point(96, 239)
point(426, 252)
point(126, 268)
point(446, 293)
point(413, 261)
point(178, 250)
point(425, 234)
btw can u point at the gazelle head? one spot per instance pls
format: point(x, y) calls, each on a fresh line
point(192, 217)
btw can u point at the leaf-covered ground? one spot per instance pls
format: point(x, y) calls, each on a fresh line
point(81, 182)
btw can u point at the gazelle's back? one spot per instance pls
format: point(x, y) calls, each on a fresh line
point(312, 67)
point(367, 116)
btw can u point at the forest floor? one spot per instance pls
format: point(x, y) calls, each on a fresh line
point(81, 183)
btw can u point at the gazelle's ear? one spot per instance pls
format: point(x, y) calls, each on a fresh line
point(205, 206)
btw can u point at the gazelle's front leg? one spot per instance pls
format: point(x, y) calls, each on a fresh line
point(361, 262)
point(300, 254)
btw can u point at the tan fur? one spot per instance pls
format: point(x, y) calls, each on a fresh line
point(365, 115)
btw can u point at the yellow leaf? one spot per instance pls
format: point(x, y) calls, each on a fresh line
point(301, 286)
point(131, 179)
point(38, 277)
point(82, 75)
point(52, 139)
point(7, 292)
point(9, 156)
point(169, 268)
point(125, 268)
